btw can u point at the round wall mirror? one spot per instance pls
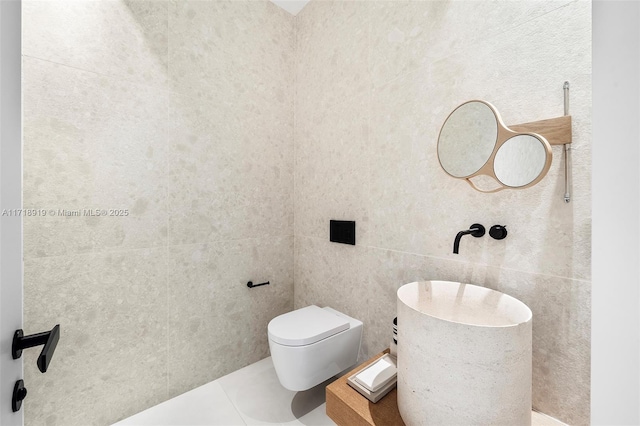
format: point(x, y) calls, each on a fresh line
point(474, 142)
point(467, 139)
point(520, 160)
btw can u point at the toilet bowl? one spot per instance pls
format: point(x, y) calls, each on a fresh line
point(312, 344)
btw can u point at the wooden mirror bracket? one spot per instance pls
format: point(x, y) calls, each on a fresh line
point(557, 131)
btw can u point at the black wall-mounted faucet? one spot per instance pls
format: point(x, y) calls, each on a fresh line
point(476, 230)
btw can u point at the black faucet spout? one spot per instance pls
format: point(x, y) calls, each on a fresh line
point(456, 242)
point(476, 230)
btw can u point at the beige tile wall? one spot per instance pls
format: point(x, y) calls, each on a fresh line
point(181, 112)
point(374, 83)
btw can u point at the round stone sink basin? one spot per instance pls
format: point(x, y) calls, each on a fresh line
point(464, 355)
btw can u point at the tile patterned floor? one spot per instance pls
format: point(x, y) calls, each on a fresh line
point(251, 396)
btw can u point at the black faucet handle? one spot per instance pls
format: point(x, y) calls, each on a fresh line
point(477, 230)
point(498, 232)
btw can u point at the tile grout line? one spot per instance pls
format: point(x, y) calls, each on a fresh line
point(226, 394)
point(114, 77)
point(166, 89)
point(369, 191)
point(367, 246)
point(295, 156)
point(432, 61)
point(168, 310)
point(158, 246)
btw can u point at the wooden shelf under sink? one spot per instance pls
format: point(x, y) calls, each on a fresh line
point(347, 407)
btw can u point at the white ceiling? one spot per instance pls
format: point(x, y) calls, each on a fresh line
point(291, 6)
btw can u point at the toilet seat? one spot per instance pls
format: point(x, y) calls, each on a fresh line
point(306, 326)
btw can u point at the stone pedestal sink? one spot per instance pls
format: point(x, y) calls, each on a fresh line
point(464, 355)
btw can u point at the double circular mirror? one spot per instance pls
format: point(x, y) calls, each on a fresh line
point(473, 141)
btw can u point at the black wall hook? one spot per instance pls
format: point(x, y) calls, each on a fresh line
point(49, 339)
point(250, 284)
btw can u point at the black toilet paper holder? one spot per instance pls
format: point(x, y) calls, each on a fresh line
point(250, 284)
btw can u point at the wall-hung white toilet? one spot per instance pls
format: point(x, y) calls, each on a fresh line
point(312, 344)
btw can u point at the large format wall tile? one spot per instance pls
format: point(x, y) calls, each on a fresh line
point(181, 112)
point(424, 59)
point(231, 121)
point(92, 142)
point(407, 35)
point(417, 208)
point(214, 56)
point(231, 175)
point(111, 359)
point(200, 215)
point(216, 323)
point(225, 148)
point(125, 39)
point(561, 338)
point(401, 206)
point(332, 180)
point(332, 56)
